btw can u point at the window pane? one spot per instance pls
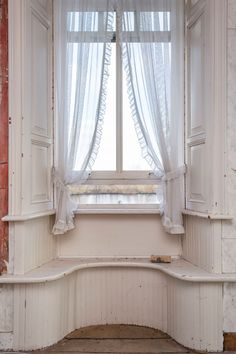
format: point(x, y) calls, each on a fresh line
point(106, 159)
point(154, 21)
point(82, 21)
point(132, 156)
point(128, 21)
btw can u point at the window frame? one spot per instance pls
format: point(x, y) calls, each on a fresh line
point(120, 176)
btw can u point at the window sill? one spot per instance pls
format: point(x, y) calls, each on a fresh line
point(118, 209)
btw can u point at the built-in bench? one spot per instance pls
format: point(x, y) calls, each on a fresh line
point(65, 294)
point(59, 268)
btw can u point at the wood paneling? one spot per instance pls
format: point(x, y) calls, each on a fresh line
point(202, 243)
point(189, 312)
point(31, 107)
point(32, 244)
point(205, 105)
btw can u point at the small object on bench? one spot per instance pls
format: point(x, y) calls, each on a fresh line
point(160, 259)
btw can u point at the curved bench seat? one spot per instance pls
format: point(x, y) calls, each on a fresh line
point(59, 268)
point(177, 298)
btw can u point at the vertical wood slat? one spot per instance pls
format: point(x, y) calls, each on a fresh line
point(202, 243)
point(195, 316)
point(189, 312)
point(33, 244)
point(116, 296)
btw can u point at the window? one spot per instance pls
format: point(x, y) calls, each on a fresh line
point(143, 40)
point(120, 175)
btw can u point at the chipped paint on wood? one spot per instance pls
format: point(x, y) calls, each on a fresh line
point(4, 131)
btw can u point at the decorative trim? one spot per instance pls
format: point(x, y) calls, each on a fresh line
point(207, 215)
point(26, 217)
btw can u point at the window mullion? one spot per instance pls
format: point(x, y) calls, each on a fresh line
point(119, 104)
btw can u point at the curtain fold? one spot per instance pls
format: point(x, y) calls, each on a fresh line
point(82, 57)
point(154, 69)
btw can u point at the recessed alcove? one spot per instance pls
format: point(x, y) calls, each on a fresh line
point(99, 272)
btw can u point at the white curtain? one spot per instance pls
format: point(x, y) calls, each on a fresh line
point(82, 55)
point(151, 35)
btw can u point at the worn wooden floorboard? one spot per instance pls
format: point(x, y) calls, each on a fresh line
point(116, 339)
point(122, 352)
point(118, 345)
point(117, 332)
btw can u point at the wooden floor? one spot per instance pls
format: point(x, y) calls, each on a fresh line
point(116, 339)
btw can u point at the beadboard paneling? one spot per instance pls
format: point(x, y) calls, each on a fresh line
point(32, 244)
point(195, 314)
point(202, 243)
point(190, 312)
point(6, 308)
point(128, 296)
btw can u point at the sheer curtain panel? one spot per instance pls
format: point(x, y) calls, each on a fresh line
point(151, 35)
point(82, 56)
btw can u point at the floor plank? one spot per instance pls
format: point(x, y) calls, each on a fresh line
point(118, 345)
point(49, 352)
point(117, 331)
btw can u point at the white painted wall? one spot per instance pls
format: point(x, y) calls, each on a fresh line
point(118, 235)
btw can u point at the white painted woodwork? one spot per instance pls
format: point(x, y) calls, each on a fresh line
point(202, 243)
point(60, 268)
point(229, 307)
point(118, 235)
point(6, 340)
point(30, 107)
point(195, 315)
point(191, 312)
point(134, 296)
point(32, 244)
point(6, 308)
point(29, 216)
point(223, 217)
point(197, 168)
point(229, 228)
point(206, 106)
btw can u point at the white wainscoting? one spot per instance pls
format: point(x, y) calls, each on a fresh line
point(32, 244)
point(202, 243)
point(6, 308)
point(195, 315)
point(190, 312)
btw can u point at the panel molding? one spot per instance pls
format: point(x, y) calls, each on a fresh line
point(40, 172)
point(209, 122)
point(25, 127)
